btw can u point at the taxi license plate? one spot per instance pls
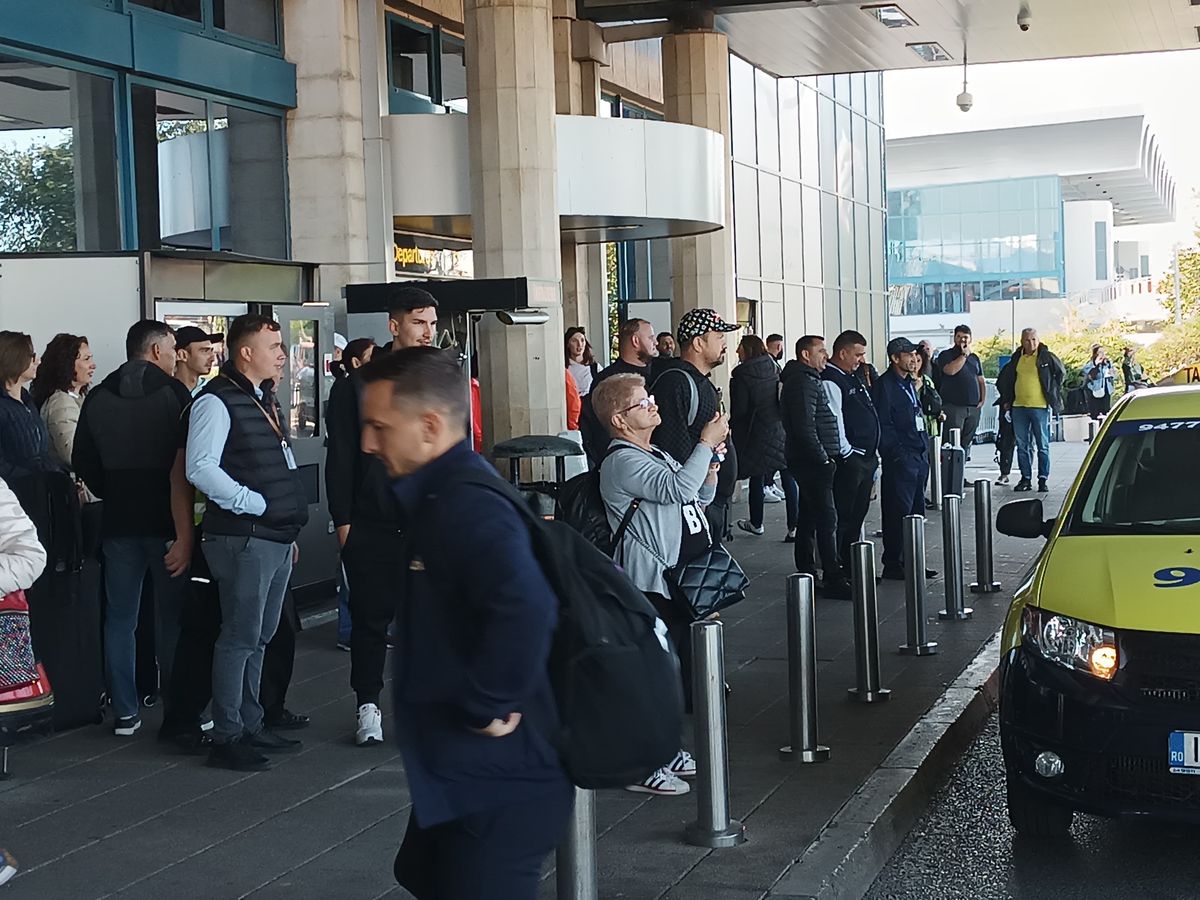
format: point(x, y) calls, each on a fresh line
point(1183, 754)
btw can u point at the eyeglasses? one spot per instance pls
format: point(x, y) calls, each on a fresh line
point(645, 403)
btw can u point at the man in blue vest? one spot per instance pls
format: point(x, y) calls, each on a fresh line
point(239, 455)
point(903, 449)
point(858, 426)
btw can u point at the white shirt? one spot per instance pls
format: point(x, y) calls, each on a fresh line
point(583, 377)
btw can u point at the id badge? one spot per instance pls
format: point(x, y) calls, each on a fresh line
point(920, 422)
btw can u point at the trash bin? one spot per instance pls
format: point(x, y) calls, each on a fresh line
point(542, 494)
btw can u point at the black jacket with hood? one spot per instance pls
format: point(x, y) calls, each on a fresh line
point(130, 430)
point(755, 418)
point(808, 421)
point(1051, 373)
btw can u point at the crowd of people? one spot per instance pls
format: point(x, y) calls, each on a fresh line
point(209, 495)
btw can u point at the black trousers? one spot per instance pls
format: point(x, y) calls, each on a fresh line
point(817, 522)
point(678, 619)
point(370, 557)
point(493, 855)
point(852, 499)
point(903, 494)
point(279, 660)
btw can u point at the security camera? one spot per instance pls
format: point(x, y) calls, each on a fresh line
point(1024, 17)
point(965, 101)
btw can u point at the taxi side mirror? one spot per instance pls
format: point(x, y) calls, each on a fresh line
point(1023, 519)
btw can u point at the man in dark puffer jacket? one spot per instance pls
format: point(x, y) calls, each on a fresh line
point(812, 452)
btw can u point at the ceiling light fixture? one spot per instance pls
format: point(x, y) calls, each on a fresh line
point(931, 52)
point(889, 15)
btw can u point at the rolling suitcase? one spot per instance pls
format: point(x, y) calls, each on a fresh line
point(954, 465)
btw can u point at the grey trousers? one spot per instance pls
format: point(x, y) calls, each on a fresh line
point(252, 578)
point(963, 417)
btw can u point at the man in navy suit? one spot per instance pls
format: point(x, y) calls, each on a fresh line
point(903, 449)
point(474, 621)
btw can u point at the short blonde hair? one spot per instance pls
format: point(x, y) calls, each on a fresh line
point(614, 395)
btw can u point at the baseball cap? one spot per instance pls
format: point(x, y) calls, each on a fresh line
point(699, 322)
point(190, 334)
point(900, 345)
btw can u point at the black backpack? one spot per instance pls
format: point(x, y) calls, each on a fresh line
point(581, 506)
point(614, 675)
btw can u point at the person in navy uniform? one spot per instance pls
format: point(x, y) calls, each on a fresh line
point(475, 618)
point(903, 450)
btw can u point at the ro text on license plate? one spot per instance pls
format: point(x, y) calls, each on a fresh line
point(1183, 753)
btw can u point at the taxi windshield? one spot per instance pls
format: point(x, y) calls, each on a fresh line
point(1143, 481)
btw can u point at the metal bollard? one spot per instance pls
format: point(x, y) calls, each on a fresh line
point(866, 624)
point(802, 673)
point(954, 437)
point(953, 555)
point(1093, 428)
point(914, 589)
point(575, 859)
point(985, 582)
point(935, 472)
point(713, 827)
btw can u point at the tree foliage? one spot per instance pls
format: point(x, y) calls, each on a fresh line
point(37, 198)
point(1189, 285)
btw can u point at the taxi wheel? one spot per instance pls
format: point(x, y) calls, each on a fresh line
point(1033, 816)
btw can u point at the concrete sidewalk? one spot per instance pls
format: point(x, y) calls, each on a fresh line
point(91, 815)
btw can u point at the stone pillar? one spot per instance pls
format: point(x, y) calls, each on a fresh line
point(97, 212)
point(514, 209)
point(696, 92)
point(326, 173)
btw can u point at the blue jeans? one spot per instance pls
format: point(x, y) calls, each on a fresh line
point(252, 578)
point(343, 595)
point(126, 562)
point(1031, 424)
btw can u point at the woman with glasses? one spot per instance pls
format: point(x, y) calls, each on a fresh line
point(667, 523)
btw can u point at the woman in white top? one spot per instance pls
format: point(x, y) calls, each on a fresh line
point(580, 361)
point(62, 382)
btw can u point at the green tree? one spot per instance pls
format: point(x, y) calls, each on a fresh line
point(1189, 285)
point(37, 198)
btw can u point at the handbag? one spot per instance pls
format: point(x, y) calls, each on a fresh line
point(711, 582)
point(17, 664)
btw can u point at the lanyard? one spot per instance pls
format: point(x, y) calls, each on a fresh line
point(911, 390)
point(271, 417)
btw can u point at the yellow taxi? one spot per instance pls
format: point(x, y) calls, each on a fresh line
point(1100, 665)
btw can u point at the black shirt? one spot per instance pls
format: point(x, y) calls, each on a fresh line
point(962, 388)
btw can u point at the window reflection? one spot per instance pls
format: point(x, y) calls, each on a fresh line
point(302, 374)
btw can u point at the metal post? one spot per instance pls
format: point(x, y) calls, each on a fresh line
point(952, 551)
point(914, 589)
point(575, 860)
point(866, 624)
point(935, 472)
point(1093, 428)
point(802, 673)
point(713, 827)
point(985, 582)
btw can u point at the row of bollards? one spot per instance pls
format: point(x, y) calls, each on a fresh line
point(714, 826)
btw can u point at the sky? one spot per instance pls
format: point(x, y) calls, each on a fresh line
point(1163, 85)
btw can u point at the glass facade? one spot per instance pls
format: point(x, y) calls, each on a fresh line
point(427, 68)
point(952, 245)
point(808, 203)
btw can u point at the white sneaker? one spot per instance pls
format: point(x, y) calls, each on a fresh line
point(683, 765)
point(662, 783)
point(772, 494)
point(370, 725)
point(748, 526)
point(8, 866)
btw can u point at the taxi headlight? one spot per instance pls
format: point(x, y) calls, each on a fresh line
point(1071, 643)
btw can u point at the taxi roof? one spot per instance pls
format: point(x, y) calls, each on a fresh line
point(1161, 403)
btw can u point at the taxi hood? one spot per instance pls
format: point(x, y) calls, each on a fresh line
point(1140, 582)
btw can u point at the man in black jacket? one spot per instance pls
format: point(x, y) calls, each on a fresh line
point(366, 517)
point(239, 455)
point(637, 353)
point(129, 452)
point(813, 449)
point(855, 411)
point(472, 694)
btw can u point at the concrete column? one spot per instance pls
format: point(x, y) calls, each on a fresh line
point(696, 92)
point(97, 215)
point(514, 209)
point(326, 170)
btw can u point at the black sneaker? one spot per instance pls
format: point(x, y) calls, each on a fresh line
point(1042, 489)
point(269, 742)
point(237, 755)
point(285, 720)
point(836, 590)
point(931, 573)
point(892, 575)
point(192, 743)
point(127, 726)
point(1022, 486)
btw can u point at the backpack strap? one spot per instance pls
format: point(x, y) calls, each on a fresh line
point(693, 394)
